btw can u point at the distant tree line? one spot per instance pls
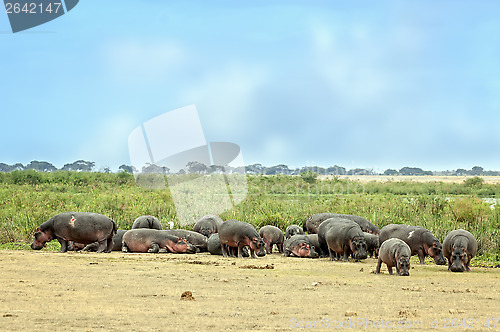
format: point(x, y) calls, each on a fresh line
point(195, 167)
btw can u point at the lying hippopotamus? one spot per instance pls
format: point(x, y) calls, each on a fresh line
point(80, 227)
point(459, 247)
point(299, 245)
point(215, 248)
point(395, 252)
point(340, 236)
point(208, 225)
point(235, 233)
point(272, 235)
point(312, 223)
point(195, 238)
point(147, 222)
point(293, 230)
point(420, 240)
point(155, 241)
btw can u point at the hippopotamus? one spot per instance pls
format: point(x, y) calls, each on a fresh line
point(208, 225)
point(340, 236)
point(459, 247)
point(312, 223)
point(313, 238)
point(147, 222)
point(235, 233)
point(272, 235)
point(420, 240)
point(155, 241)
point(300, 245)
point(372, 244)
point(215, 248)
point(80, 227)
point(395, 252)
point(197, 239)
point(117, 243)
point(293, 230)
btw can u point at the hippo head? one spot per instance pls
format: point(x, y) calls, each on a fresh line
point(436, 252)
point(258, 245)
point(304, 249)
point(358, 247)
point(403, 265)
point(207, 231)
point(458, 259)
point(41, 237)
point(182, 246)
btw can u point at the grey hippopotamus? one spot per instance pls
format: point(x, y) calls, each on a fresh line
point(299, 245)
point(293, 230)
point(313, 238)
point(459, 247)
point(117, 243)
point(215, 248)
point(80, 227)
point(147, 222)
point(208, 225)
point(395, 253)
point(272, 235)
point(235, 233)
point(196, 239)
point(372, 244)
point(312, 223)
point(154, 241)
point(420, 240)
point(340, 236)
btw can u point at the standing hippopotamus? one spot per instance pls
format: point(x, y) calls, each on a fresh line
point(340, 236)
point(235, 233)
point(300, 245)
point(80, 227)
point(312, 223)
point(372, 244)
point(272, 235)
point(395, 252)
point(293, 230)
point(208, 225)
point(147, 222)
point(153, 241)
point(196, 239)
point(459, 247)
point(215, 248)
point(420, 240)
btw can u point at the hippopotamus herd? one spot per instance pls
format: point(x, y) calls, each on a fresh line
point(336, 236)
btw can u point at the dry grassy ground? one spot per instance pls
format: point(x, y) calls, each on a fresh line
point(45, 291)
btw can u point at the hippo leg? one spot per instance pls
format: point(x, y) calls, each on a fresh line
point(287, 253)
point(332, 254)
point(110, 244)
point(390, 269)
point(379, 265)
point(224, 250)
point(102, 245)
point(280, 248)
point(154, 248)
point(346, 256)
point(421, 256)
point(91, 247)
point(163, 251)
point(64, 245)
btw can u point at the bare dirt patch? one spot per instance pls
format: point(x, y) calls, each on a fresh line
point(45, 290)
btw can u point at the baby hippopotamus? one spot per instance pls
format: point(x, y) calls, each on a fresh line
point(293, 230)
point(459, 247)
point(235, 233)
point(272, 235)
point(147, 222)
point(395, 252)
point(208, 225)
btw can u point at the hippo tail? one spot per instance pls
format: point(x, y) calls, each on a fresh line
point(115, 228)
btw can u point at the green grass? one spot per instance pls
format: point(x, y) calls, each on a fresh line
point(28, 198)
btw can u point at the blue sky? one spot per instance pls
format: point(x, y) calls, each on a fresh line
point(367, 84)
